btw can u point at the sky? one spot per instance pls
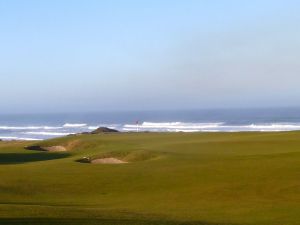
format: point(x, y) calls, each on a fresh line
point(80, 56)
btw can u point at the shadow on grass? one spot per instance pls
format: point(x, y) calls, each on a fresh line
point(17, 158)
point(89, 221)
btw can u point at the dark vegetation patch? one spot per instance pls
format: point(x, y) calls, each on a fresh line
point(18, 158)
point(104, 130)
point(34, 148)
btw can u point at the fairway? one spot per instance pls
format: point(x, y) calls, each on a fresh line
point(168, 178)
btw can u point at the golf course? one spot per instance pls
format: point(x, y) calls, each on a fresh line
point(231, 178)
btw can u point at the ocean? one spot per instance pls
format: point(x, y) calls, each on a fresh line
point(45, 126)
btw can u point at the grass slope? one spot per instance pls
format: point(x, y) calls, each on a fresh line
point(173, 178)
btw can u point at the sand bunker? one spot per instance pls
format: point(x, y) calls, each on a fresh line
point(55, 149)
point(48, 149)
point(107, 161)
point(120, 157)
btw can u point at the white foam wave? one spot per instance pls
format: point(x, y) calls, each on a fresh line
point(49, 133)
point(74, 125)
point(93, 127)
point(279, 126)
point(44, 132)
point(28, 128)
point(20, 138)
point(174, 125)
point(209, 127)
point(190, 131)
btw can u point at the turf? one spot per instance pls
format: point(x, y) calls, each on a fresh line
point(172, 178)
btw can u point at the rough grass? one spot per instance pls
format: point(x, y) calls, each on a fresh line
point(174, 178)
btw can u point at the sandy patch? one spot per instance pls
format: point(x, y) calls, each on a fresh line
point(72, 144)
point(107, 161)
point(55, 149)
point(48, 149)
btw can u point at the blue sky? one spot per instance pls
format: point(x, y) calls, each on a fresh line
point(63, 55)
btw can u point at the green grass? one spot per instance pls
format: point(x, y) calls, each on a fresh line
point(172, 178)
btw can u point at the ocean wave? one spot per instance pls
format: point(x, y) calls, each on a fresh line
point(272, 126)
point(174, 125)
point(209, 127)
point(48, 133)
point(74, 125)
point(20, 138)
point(29, 128)
point(93, 127)
point(191, 131)
point(45, 132)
